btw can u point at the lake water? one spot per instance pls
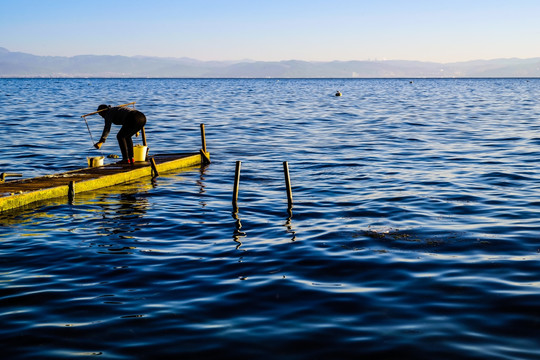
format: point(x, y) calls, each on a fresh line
point(414, 231)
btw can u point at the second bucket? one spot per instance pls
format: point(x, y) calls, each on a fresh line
point(139, 153)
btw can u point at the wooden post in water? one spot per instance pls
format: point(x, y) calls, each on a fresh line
point(288, 183)
point(236, 185)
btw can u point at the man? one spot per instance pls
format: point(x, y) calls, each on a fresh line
point(132, 122)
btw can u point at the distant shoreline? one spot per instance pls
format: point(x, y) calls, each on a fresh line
point(22, 65)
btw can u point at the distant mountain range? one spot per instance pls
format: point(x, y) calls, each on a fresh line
point(17, 64)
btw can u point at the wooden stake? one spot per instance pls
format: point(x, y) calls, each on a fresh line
point(154, 167)
point(236, 184)
point(71, 191)
point(288, 183)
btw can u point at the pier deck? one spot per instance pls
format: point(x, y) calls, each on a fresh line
point(18, 193)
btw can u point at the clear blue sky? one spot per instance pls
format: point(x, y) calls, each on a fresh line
point(316, 30)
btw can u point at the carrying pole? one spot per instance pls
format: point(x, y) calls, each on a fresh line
point(97, 112)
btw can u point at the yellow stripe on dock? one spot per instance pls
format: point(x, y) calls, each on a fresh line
point(14, 194)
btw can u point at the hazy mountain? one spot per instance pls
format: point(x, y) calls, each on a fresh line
point(17, 64)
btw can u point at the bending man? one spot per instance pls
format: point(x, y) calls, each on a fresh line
point(132, 122)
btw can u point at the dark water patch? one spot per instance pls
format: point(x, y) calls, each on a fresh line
point(505, 179)
point(535, 141)
point(416, 124)
point(423, 241)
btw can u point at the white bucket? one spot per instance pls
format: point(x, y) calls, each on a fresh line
point(94, 161)
point(139, 153)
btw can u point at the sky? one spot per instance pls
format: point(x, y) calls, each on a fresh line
point(274, 30)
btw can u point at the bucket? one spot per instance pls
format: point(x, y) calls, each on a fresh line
point(94, 161)
point(139, 153)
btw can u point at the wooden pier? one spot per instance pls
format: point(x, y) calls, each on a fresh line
point(18, 193)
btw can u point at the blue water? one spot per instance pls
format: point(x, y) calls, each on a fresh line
point(414, 231)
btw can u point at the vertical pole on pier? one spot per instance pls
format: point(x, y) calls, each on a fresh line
point(203, 138)
point(143, 136)
point(204, 154)
point(236, 185)
point(288, 183)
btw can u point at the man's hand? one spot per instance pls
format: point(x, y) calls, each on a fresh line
point(98, 145)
